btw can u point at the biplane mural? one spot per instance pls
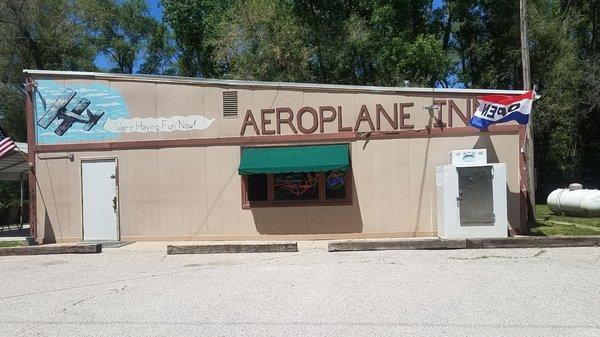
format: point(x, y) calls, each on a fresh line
point(76, 112)
point(93, 111)
point(69, 114)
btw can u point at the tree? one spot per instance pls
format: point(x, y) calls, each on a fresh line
point(194, 24)
point(126, 33)
point(36, 34)
point(338, 35)
point(373, 42)
point(485, 36)
point(410, 48)
point(260, 40)
point(557, 76)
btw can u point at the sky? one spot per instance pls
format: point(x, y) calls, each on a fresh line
point(156, 8)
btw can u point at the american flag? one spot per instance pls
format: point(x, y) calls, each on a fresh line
point(6, 144)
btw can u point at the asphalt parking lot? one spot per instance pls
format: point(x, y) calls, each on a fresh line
point(138, 291)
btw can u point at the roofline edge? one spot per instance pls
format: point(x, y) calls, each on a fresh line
point(264, 84)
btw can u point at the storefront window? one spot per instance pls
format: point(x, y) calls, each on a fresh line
point(296, 189)
point(257, 187)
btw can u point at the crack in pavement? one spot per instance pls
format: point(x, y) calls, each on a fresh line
point(482, 257)
point(110, 292)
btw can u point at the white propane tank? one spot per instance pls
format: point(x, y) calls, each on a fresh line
point(575, 201)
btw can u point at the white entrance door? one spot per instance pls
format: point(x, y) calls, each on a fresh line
point(99, 191)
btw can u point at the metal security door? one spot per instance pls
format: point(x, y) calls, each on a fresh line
point(475, 196)
point(99, 192)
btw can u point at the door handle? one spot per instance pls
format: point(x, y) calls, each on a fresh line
point(114, 200)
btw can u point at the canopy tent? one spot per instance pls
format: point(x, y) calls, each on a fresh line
point(309, 158)
point(13, 164)
point(14, 167)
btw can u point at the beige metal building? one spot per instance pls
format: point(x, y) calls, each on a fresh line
point(122, 157)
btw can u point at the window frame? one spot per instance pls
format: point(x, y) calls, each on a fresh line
point(271, 202)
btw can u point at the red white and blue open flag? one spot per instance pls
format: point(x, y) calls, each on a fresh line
point(6, 144)
point(501, 109)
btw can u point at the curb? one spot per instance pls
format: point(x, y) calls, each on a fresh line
point(44, 250)
point(233, 248)
point(410, 244)
point(487, 243)
point(535, 242)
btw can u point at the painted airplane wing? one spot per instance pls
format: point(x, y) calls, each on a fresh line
point(68, 121)
point(94, 118)
point(61, 102)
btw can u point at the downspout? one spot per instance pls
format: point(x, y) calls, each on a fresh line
point(21, 198)
point(33, 230)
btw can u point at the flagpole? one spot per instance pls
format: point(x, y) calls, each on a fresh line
point(524, 45)
point(528, 153)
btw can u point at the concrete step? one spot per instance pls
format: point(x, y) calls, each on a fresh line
point(51, 249)
point(396, 244)
point(437, 243)
point(535, 242)
point(275, 247)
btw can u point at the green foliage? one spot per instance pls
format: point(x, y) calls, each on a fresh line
point(565, 67)
point(338, 35)
point(35, 34)
point(408, 44)
point(557, 75)
point(549, 223)
point(40, 34)
point(126, 33)
point(9, 197)
point(422, 62)
point(194, 24)
point(159, 53)
point(12, 107)
point(588, 137)
point(347, 42)
point(6, 244)
point(10, 193)
point(260, 40)
point(485, 35)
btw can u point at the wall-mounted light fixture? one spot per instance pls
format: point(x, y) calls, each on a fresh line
point(69, 156)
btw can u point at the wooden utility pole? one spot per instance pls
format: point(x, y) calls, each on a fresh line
point(527, 150)
point(524, 45)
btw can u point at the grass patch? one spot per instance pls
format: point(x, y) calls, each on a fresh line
point(548, 224)
point(4, 244)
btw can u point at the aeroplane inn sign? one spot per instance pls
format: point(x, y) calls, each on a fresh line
point(308, 119)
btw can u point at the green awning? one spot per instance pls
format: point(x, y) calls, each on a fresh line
point(314, 158)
